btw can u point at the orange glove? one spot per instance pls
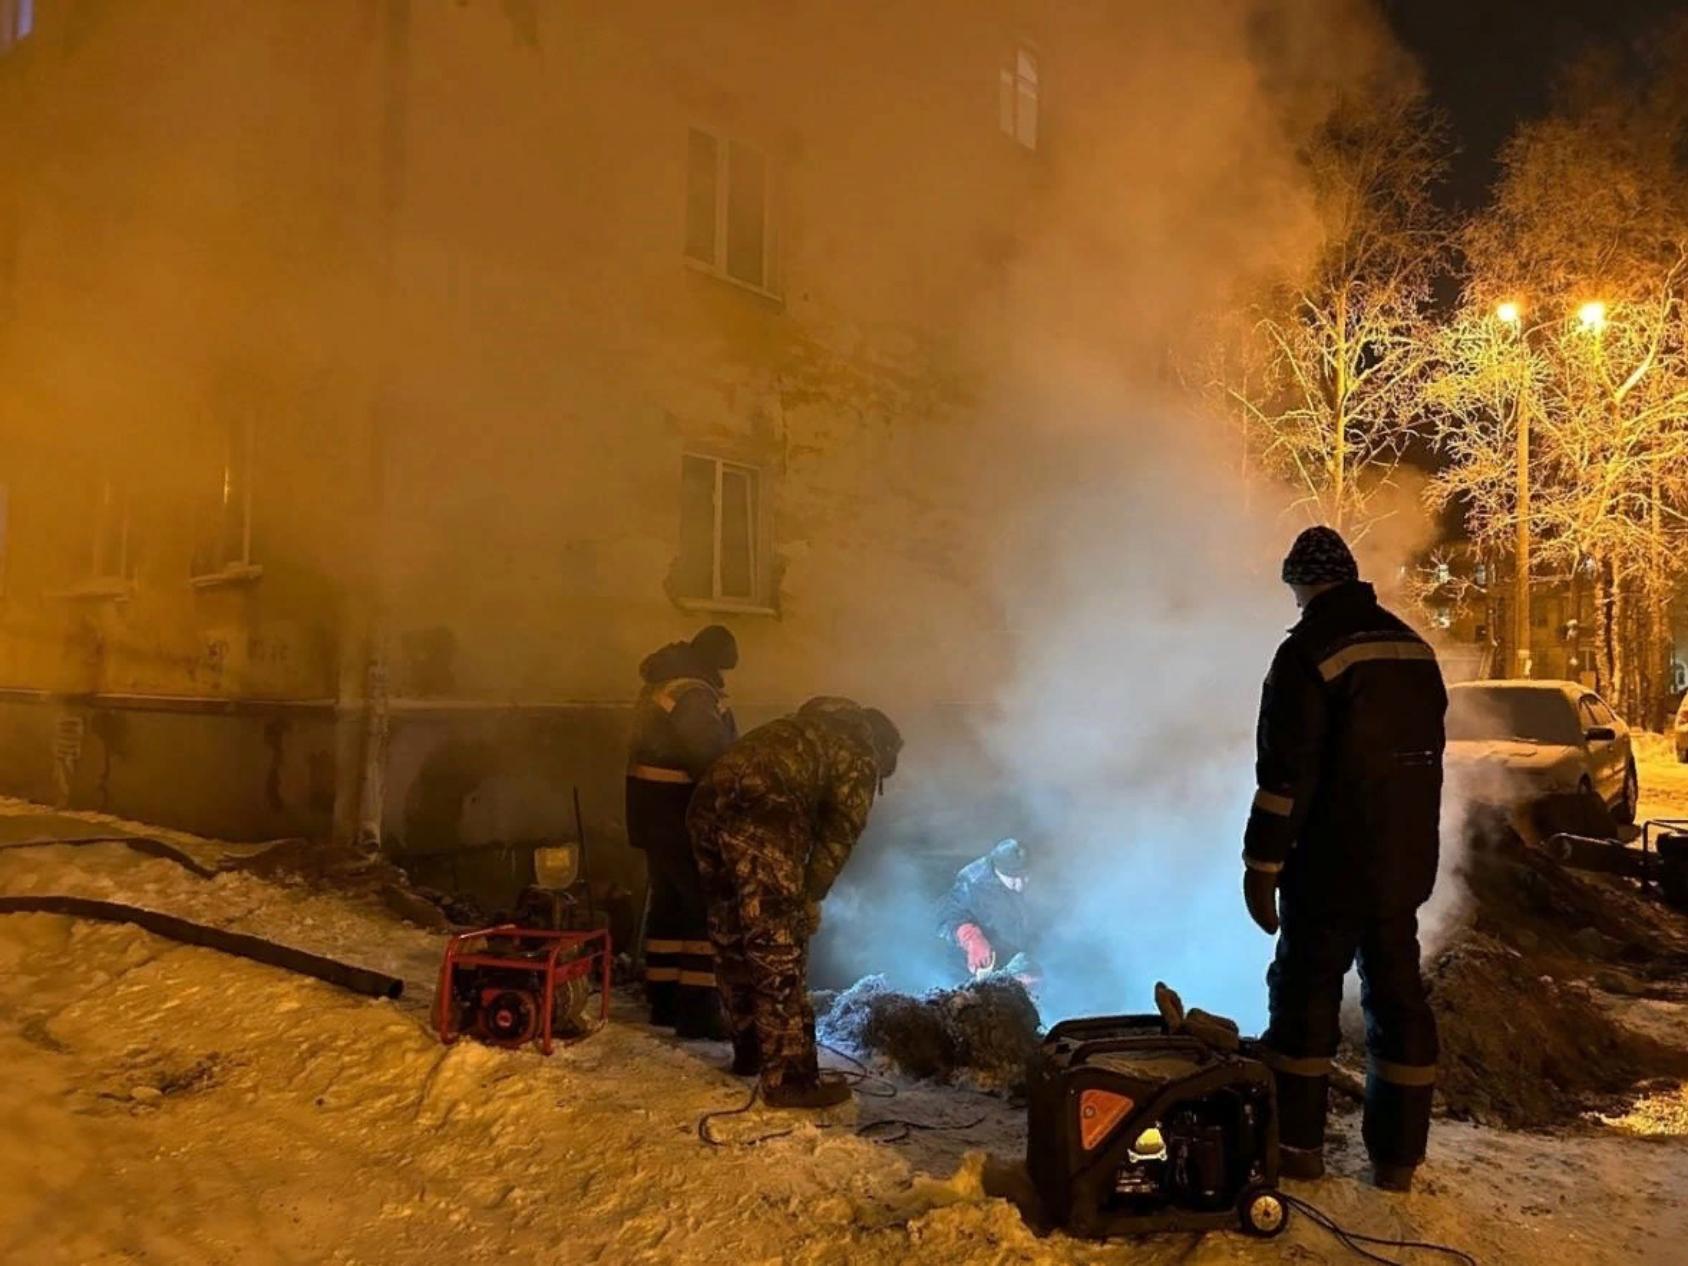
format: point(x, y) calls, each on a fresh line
point(980, 955)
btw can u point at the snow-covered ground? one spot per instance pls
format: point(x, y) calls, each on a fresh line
point(1664, 780)
point(167, 1104)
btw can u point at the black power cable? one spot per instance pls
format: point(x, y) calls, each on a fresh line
point(1354, 1241)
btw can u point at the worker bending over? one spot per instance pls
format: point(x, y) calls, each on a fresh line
point(1343, 833)
point(772, 823)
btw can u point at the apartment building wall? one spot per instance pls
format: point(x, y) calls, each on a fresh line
point(413, 279)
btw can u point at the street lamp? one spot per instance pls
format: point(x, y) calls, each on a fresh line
point(1511, 314)
point(1593, 316)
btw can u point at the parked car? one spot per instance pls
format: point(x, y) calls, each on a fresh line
point(1543, 736)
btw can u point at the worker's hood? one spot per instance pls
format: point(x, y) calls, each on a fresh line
point(869, 725)
point(677, 659)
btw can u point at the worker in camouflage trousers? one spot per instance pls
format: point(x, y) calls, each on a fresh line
point(772, 823)
point(1343, 839)
point(681, 724)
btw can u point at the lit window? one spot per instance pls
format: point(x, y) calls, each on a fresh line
point(17, 21)
point(1017, 98)
point(1443, 573)
point(729, 209)
point(720, 533)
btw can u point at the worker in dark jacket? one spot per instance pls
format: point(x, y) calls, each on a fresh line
point(681, 724)
point(773, 823)
point(1342, 839)
point(984, 913)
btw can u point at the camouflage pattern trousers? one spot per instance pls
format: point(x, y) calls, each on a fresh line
point(753, 877)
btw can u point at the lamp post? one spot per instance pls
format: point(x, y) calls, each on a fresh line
point(1511, 315)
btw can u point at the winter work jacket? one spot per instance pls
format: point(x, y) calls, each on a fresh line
point(1349, 758)
point(979, 897)
point(801, 786)
point(681, 722)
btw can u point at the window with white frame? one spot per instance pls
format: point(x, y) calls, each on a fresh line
point(223, 550)
point(720, 558)
point(1017, 96)
point(17, 22)
point(730, 210)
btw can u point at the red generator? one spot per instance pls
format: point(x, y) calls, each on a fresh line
point(509, 985)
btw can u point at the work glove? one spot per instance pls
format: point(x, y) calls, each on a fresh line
point(980, 955)
point(1260, 894)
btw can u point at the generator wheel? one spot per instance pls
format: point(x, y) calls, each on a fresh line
point(1262, 1212)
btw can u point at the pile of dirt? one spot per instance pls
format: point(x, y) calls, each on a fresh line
point(1525, 1049)
point(980, 1034)
point(1526, 1041)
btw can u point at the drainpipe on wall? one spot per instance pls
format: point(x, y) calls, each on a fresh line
point(363, 715)
point(372, 797)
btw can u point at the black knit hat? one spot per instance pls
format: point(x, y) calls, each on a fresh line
point(1319, 557)
point(1008, 858)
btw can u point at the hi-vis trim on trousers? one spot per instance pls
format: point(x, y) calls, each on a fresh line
point(1271, 802)
point(656, 773)
point(1335, 665)
point(1404, 1074)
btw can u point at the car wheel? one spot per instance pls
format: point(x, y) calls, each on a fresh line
point(1624, 811)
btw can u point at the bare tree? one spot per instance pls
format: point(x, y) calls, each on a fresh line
point(1326, 377)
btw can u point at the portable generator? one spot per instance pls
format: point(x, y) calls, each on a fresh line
point(1135, 1128)
point(510, 985)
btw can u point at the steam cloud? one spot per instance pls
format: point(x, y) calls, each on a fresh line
point(1135, 569)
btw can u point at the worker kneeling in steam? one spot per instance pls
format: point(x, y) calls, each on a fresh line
point(1342, 839)
point(681, 724)
point(984, 913)
point(772, 824)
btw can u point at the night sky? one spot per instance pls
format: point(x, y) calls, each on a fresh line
point(1490, 63)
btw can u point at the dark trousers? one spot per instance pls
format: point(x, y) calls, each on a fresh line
point(1316, 946)
point(680, 979)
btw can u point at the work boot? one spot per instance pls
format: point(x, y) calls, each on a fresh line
point(1387, 1177)
point(747, 1054)
point(1304, 1163)
point(826, 1091)
point(664, 1001)
point(700, 1019)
